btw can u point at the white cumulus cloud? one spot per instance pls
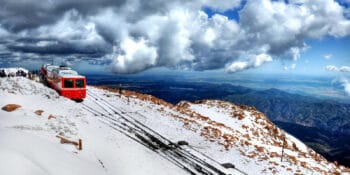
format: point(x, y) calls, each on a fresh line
point(342, 80)
point(327, 56)
point(336, 69)
point(345, 83)
point(332, 68)
point(137, 56)
point(135, 35)
point(255, 61)
point(344, 69)
point(291, 67)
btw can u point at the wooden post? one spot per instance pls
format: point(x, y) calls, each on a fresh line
point(63, 140)
point(284, 140)
point(80, 145)
point(120, 90)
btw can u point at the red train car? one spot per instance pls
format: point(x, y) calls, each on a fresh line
point(65, 81)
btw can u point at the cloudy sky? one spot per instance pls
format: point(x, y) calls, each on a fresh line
point(130, 36)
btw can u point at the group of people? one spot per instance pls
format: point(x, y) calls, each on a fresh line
point(19, 73)
point(2, 73)
point(33, 75)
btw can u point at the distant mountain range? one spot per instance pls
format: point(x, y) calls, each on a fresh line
point(293, 108)
point(322, 124)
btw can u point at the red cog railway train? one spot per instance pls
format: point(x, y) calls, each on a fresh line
point(66, 81)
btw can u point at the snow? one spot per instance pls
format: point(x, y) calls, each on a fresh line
point(41, 156)
point(29, 145)
point(166, 121)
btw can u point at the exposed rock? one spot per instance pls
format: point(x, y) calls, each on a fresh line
point(39, 112)
point(51, 117)
point(10, 107)
point(144, 97)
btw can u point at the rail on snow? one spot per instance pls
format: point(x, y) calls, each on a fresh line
point(180, 153)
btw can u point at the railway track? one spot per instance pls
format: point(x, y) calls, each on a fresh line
point(180, 154)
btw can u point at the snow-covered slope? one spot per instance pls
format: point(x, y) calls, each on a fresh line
point(29, 145)
point(225, 132)
point(114, 129)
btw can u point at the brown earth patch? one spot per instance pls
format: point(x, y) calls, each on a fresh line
point(10, 107)
point(39, 112)
point(51, 117)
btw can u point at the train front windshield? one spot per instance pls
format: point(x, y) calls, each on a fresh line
point(79, 83)
point(74, 83)
point(68, 83)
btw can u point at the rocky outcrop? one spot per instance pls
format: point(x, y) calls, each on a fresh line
point(10, 107)
point(39, 112)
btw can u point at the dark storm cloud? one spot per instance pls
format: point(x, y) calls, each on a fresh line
point(56, 47)
point(25, 14)
point(135, 35)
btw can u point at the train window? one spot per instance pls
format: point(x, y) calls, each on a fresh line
point(68, 84)
point(79, 83)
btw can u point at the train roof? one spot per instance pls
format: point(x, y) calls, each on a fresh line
point(51, 67)
point(73, 76)
point(68, 73)
point(62, 71)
